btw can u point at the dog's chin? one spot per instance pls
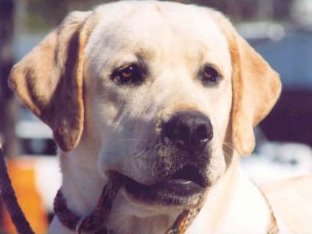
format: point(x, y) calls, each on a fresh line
point(184, 188)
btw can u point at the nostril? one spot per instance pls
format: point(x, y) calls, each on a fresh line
point(182, 134)
point(177, 131)
point(202, 134)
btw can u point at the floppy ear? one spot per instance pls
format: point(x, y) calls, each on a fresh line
point(256, 88)
point(49, 80)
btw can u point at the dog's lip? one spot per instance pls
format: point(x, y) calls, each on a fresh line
point(189, 174)
point(176, 189)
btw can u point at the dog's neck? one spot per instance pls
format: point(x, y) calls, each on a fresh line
point(226, 208)
point(233, 205)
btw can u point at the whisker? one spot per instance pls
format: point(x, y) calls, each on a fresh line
point(230, 146)
point(139, 154)
point(129, 139)
point(154, 168)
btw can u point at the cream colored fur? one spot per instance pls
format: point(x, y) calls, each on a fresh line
point(100, 126)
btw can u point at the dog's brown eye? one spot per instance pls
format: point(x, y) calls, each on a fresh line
point(131, 74)
point(210, 75)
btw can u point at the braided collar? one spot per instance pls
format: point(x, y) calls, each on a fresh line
point(93, 223)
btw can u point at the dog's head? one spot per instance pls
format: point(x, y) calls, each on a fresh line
point(163, 91)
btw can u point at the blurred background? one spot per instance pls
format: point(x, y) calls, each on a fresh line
point(279, 30)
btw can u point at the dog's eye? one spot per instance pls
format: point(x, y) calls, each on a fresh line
point(210, 75)
point(131, 74)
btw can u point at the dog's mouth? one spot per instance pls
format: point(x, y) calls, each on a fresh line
point(179, 189)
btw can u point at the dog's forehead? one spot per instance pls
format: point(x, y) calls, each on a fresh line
point(153, 27)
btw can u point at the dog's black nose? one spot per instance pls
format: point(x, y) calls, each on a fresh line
point(188, 129)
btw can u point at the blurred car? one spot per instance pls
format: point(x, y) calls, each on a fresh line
point(35, 137)
point(289, 51)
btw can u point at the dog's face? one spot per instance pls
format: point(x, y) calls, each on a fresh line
point(162, 89)
point(160, 98)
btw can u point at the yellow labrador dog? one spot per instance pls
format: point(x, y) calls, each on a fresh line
point(167, 96)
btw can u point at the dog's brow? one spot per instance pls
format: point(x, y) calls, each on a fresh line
point(144, 54)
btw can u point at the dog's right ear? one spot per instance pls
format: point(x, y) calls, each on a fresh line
point(49, 80)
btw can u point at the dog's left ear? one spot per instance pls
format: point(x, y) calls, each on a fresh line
point(256, 88)
point(49, 80)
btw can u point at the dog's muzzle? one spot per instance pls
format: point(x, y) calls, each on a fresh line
point(182, 176)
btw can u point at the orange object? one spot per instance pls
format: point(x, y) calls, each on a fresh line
point(23, 176)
